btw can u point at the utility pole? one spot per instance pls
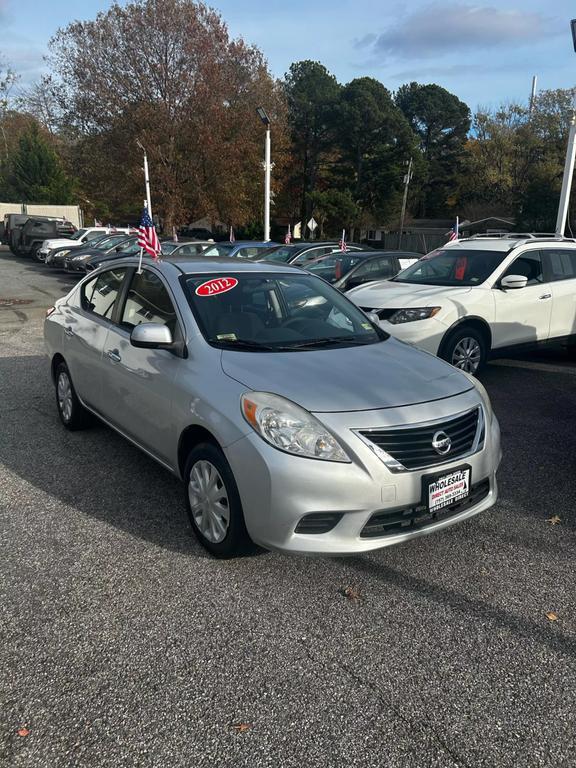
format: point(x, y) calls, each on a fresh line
point(533, 93)
point(407, 178)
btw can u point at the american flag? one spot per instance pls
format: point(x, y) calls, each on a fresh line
point(453, 234)
point(342, 243)
point(232, 238)
point(147, 237)
point(288, 236)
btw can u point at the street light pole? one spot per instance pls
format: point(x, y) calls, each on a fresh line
point(564, 204)
point(267, 171)
point(567, 179)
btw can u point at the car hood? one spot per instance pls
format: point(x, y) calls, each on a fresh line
point(61, 243)
point(388, 293)
point(386, 375)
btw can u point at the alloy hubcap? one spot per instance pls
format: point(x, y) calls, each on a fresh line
point(209, 501)
point(467, 355)
point(65, 396)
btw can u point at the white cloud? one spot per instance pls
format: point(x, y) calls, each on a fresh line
point(444, 27)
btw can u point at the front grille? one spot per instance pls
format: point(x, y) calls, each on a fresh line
point(412, 446)
point(318, 522)
point(395, 521)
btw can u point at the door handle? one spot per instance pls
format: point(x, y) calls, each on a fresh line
point(69, 332)
point(113, 355)
point(545, 296)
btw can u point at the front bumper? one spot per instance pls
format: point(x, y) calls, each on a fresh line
point(71, 266)
point(424, 334)
point(278, 490)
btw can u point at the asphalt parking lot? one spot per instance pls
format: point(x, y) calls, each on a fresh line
point(123, 644)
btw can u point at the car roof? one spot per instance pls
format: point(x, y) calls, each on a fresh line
point(246, 242)
point(191, 265)
point(483, 244)
point(316, 244)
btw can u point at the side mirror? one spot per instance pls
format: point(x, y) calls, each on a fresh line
point(514, 281)
point(151, 336)
point(373, 317)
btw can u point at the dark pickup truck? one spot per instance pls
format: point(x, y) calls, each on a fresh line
point(24, 238)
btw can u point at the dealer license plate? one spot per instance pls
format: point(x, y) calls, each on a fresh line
point(447, 489)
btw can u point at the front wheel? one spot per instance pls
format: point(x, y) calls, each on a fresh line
point(213, 502)
point(465, 349)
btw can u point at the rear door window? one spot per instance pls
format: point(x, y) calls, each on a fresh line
point(561, 264)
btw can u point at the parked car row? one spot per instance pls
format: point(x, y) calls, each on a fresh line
point(88, 248)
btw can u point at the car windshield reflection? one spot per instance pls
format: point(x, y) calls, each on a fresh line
point(277, 313)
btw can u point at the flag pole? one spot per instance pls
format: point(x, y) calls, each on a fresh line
point(139, 270)
point(148, 202)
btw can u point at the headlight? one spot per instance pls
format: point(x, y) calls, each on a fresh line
point(409, 315)
point(63, 253)
point(82, 258)
point(481, 389)
point(290, 428)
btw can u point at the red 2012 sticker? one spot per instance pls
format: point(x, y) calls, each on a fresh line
point(216, 286)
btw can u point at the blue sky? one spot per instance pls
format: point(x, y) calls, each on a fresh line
point(485, 51)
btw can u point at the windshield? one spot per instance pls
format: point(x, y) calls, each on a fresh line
point(108, 242)
point(254, 252)
point(453, 266)
point(276, 313)
point(169, 247)
point(280, 254)
point(334, 266)
point(78, 234)
point(220, 249)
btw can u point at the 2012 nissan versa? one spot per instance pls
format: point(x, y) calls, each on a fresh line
point(295, 422)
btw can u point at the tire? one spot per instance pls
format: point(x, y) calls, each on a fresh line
point(466, 349)
point(72, 413)
point(218, 522)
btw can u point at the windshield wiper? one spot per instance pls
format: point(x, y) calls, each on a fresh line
point(252, 346)
point(334, 340)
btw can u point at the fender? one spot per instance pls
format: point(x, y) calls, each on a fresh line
point(470, 320)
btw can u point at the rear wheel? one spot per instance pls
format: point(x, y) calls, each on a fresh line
point(71, 411)
point(465, 349)
point(213, 502)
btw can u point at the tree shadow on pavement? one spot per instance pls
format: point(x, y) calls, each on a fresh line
point(469, 606)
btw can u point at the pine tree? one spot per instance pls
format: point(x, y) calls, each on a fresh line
point(36, 174)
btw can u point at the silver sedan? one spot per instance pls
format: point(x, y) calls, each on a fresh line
point(295, 422)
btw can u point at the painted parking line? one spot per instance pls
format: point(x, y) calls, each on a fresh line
point(545, 367)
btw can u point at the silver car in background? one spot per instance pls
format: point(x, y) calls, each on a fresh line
point(295, 422)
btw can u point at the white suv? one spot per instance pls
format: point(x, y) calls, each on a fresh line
point(480, 295)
